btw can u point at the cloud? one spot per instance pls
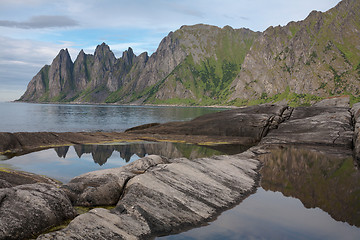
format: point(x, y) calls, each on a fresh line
point(42, 21)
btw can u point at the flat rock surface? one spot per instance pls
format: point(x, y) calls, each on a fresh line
point(250, 122)
point(331, 126)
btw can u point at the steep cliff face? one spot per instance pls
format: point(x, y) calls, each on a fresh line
point(82, 68)
point(38, 85)
point(60, 75)
point(214, 57)
point(318, 56)
point(203, 65)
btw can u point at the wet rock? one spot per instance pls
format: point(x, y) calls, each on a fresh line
point(168, 197)
point(30, 209)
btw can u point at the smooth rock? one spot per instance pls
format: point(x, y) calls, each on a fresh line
point(355, 110)
point(251, 122)
point(12, 178)
point(30, 209)
point(104, 187)
point(343, 101)
point(331, 126)
point(168, 197)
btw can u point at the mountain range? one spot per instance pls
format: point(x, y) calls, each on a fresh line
point(300, 63)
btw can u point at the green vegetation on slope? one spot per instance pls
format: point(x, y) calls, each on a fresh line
point(206, 81)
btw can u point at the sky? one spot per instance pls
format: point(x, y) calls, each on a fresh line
point(32, 32)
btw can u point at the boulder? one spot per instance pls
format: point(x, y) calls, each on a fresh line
point(12, 178)
point(30, 209)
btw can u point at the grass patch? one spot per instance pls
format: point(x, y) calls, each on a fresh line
point(293, 99)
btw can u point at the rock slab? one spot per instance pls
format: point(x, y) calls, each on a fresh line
point(160, 196)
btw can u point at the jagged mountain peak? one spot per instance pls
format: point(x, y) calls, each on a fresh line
point(63, 55)
point(128, 56)
point(81, 52)
point(103, 50)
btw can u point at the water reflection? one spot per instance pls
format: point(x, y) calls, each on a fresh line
point(271, 215)
point(317, 180)
point(304, 194)
point(67, 162)
point(101, 153)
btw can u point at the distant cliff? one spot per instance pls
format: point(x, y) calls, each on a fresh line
point(203, 65)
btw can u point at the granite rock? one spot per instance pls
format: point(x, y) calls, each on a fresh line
point(30, 209)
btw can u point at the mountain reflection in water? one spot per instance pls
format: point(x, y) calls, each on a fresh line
point(101, 153)
point(70, 161)
point(317, 180)
point(304, 194)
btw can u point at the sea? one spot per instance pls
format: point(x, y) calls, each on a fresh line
point(301, 195)
point(32, 117)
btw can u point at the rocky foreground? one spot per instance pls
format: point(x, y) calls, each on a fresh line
point(155, 196)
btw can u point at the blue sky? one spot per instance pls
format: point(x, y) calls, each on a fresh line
point(32, 32)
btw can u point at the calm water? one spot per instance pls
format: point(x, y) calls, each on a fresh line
point(303, 195)
point(26, 117)
point(271, 215)
point(64, 163)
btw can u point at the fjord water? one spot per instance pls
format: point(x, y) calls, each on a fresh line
point(26, 117)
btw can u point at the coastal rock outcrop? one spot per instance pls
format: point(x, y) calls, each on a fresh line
point(161, 197)
point(12, 178)
point(356, 121)
point(331, 126)
point(250, 123)
point(105, 187)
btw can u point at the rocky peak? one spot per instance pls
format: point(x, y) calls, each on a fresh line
point(128, 56)
point(63, 57)
point(103, 51)
point(104, 60)
point(316, 57)
point(81, 55)
point(81, 73)
point(60, 71)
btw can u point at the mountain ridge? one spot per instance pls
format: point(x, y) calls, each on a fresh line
point(301, 62)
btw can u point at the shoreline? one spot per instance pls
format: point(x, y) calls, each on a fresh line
point(128, 104)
